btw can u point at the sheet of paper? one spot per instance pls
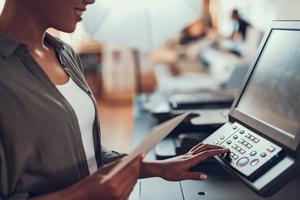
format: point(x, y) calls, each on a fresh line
point(149, 142)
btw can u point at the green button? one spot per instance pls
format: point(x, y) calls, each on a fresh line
point(253, 153)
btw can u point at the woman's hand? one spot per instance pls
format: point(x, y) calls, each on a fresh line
point(177, 168)
point(96, 186)
point(118, 187)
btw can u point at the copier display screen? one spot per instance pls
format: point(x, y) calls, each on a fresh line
point(272, 94)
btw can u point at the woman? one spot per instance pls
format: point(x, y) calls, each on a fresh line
point(50, 135)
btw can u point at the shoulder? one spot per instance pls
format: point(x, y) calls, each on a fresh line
point(244, 22)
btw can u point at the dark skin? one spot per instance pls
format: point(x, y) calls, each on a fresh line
point(63, 15)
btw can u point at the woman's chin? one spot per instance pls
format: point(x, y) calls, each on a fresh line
point(70, 28)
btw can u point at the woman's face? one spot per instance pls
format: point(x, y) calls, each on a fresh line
point(62, 15)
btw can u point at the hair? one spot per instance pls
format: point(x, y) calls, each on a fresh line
point(236, 12)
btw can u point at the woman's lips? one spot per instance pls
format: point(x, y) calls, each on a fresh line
point(79, 12)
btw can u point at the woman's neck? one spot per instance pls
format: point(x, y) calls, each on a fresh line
point(18, 22)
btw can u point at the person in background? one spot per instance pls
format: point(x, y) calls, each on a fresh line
point(241, 25)
point(49, 130)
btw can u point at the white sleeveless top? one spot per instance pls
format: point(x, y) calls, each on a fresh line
point(85, 113)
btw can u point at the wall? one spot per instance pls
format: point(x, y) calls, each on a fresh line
point(1, 5)
point(288, 9)
point(259, 13)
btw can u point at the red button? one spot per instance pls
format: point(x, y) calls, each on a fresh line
point(254, 162)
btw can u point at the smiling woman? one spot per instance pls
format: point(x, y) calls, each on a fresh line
point(49, 128)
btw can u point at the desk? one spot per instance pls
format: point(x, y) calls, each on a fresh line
point(215, 188)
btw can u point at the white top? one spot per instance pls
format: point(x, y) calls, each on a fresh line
point(85, 113)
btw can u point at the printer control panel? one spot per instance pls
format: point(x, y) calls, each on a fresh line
point(250, 154)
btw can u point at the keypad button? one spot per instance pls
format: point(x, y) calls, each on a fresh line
point(238, 148)
point(228, 142)
point(254, 162)
point(242, 162)
point(263, 154)
point(234, 127)
point(249, 146)
point(252, 138)
point(242, 151)
point(248, 135)
point(235, 137)
point(271, 149)
point(242, 131)
point(235, 157)
point(253, 153)
point(222, 137)
point(256, 140)
point(216, 142)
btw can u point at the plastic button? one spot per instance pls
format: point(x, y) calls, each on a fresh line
point(263, 155)
point(254, 162)
point(242, 162)
point(271, 149)
point(253, 153)
point(245, 143)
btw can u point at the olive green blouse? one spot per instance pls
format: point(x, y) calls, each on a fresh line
point(40, 143)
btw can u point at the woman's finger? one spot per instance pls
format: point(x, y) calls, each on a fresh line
point(130, 179)
point(192, 176)
point(206, 154)
point(196, 147)
point(132, 168)
point(127, 192)
point(128, 185)
point(204, 148)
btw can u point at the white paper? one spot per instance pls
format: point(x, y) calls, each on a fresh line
point(149, 142)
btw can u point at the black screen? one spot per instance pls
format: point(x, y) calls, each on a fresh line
point(272, 94)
